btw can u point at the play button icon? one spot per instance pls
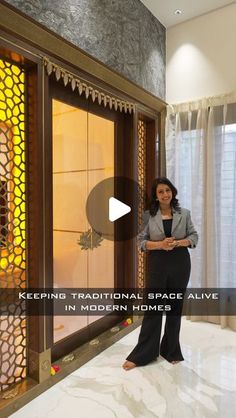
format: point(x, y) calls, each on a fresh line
point(117, 209)
point(112, 208)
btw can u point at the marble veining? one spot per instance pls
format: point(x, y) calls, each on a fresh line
point(202, 386)
point(122, 34)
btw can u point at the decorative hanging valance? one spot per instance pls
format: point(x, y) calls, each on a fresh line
point(85, 87)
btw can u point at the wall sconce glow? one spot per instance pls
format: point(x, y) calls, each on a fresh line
point(178, 12)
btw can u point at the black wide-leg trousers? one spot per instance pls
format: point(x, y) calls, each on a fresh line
point(168, 273)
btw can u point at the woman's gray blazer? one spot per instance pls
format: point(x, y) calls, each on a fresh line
point(182, 227)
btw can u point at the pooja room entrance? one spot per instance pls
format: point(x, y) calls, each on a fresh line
point(85, 147)
point(67, 122)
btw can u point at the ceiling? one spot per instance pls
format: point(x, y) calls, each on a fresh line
point(163, 10)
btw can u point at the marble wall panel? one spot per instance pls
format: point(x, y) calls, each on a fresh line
point(122, 34)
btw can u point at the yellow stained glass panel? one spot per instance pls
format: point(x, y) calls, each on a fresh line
point(12, 219)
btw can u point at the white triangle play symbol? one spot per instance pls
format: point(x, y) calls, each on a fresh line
point(117, 209)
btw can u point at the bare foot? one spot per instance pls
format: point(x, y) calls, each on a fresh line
point(175, 361)
point(128, 365)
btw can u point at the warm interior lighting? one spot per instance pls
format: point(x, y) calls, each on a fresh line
point(12, 162)
point(13, 216)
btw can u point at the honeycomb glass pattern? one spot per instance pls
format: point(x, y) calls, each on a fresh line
point(142, 137)
point(12, 221)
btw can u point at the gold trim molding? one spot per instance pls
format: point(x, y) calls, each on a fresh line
point(81, 86)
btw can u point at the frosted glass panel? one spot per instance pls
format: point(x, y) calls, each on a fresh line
point(67, 325)
point(70, 262)
point(69, 138)
point(69, 201)
point(101, 266)
point(83, 155)
point(100, 143)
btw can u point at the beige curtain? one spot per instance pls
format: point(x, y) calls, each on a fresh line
point(201, 162)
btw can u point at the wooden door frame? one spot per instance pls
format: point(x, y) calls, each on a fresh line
point(123, 265)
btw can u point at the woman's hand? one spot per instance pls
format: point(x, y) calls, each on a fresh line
point(168, 244)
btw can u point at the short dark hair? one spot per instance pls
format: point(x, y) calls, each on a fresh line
point(154, 204)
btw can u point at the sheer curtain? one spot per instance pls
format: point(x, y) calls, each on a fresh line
point(201, 162)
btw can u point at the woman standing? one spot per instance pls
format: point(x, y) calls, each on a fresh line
point(166, 237)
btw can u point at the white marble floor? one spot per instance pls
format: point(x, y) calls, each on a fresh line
point(202, 386)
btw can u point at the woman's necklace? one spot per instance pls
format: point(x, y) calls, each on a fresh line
point(167, 215)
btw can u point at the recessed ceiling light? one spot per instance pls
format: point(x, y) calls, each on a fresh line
point(178, 12)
